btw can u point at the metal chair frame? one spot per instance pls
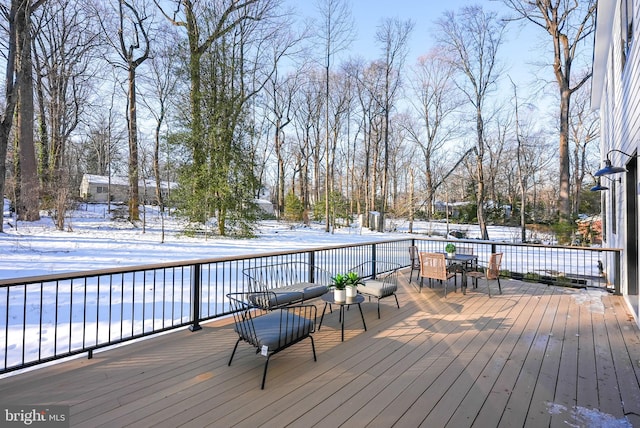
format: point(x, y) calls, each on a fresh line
point(414, 257)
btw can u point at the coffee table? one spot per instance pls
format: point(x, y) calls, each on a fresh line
point(329, 300)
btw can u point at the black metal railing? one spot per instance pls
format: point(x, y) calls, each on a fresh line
point(45, 318)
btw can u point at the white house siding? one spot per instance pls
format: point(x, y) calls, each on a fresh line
point(616, 93)
point(95, 188)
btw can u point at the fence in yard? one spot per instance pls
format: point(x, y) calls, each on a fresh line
point(46, 318)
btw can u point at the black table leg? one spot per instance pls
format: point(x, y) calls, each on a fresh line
point(342, 321)
point(362, 316)
point(322, 317)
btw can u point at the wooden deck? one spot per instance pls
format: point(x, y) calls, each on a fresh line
point(535, 356)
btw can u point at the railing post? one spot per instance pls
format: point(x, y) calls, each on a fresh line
point(373, 261)
point(195, 297)
point(312, 264)
point(616, 281)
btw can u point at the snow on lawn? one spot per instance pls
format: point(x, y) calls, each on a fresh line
point(92, 240)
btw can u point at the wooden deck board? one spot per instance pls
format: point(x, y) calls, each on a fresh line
point(509, 359)
point(624, 343)
point(495, 354)
point(566, 384)
point(520, 398)
point(539, 412)
point(533, 356)
point(587, 378)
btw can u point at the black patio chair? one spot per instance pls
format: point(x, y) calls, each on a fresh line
point(270, 331)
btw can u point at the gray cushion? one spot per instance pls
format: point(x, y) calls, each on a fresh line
point(376, 288)
point(290, 294)
point(310, 290)
point(275, 298)
point(276, 329)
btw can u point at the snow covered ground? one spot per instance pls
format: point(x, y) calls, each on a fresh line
point(94, 241)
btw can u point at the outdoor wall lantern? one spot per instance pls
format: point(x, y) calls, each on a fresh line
point(610, 169)
point(599, 187)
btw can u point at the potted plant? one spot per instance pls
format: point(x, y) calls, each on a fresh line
point(353, 280)
point(450, 249)
point(339, 287)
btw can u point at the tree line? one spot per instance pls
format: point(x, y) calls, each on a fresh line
point(231, 97)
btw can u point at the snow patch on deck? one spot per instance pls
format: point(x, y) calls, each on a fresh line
point(584, 417)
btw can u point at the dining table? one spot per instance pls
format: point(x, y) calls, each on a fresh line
point(461, 263)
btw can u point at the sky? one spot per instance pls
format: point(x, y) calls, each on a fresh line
point(523, 44)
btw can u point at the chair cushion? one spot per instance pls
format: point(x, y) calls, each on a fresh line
point(376, 288)
point(276, 329)
point(309, 289)
point(275, 298)
point(286, 295)
point(475, 274)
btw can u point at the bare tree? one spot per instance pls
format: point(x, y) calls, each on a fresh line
point(392, 35)
point(308, 152)
point(434, 102)
point(134, 50)
point(280, 91)
point(474, 37)
point(531, 158)
point(569, 23)
point(65, 57)
point(584, 127)
point(162, 82)
point(370, 84)
point(499, 130)
point(336, 31)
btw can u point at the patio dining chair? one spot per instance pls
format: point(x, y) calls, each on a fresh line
point(434, 266)
point(491, 272)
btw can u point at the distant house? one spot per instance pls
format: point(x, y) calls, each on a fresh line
point(615, 93)
point(96, 188)
point(263, 201)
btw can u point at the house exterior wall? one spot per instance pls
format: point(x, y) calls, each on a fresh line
point(616, 94)
point(95, 188)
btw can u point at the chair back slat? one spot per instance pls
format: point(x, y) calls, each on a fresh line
point(433, 265)
point(414, 257)
point(464, 250)
point(493, 268)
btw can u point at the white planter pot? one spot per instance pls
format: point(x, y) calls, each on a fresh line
point(339, 295)
point(451, 255)
point(352, 291)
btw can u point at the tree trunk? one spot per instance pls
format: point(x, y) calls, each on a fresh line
point(484, 234)
point(564, 201)
point(10, 99)
point(134, 192)
point(27, 207)
point(280, 185)
point(156, 161)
